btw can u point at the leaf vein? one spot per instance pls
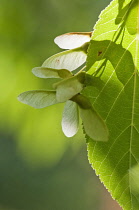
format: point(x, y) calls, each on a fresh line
point(117, 166)
point(113, 145)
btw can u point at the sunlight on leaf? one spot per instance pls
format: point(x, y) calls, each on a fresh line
point(134, 173)
point(70, 119)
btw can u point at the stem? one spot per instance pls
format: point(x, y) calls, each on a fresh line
point(80, 70)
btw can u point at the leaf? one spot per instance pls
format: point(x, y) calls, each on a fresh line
point(70, 119)
point(70, 59)
point(134, 173)
point(43, 72)
point(113, 55)
point(38, 98)
point(68, 88)
point(72, 40)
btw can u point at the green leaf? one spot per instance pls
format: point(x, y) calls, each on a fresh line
point(134, 173)
point(70, 119)
point(70, 59)
point(38, 98)
point(68, 88)
point(113, 55)
point(43, 72)
point(72, 40)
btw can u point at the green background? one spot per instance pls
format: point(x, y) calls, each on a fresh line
point(41, 169)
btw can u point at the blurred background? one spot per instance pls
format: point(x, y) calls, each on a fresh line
point(41, 169)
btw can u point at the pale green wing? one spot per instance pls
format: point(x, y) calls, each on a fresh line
point(132, 21)
point(68, 88)
point(43, 72)
point(70, 60)
point(94, 126)
point(72, 40)
point(38, 98)
point(70, 119)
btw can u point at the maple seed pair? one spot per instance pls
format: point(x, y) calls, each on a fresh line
point(66, 87)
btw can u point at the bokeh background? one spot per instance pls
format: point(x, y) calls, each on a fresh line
point(41, 169)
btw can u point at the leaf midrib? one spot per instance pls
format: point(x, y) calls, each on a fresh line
point(133, 105)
